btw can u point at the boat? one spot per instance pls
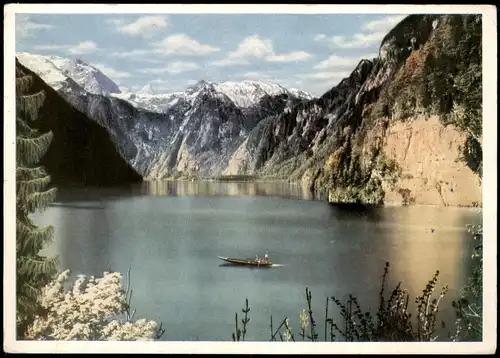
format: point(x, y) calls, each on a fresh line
point(246, 262)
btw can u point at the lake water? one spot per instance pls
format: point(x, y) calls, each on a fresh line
point(170, 233)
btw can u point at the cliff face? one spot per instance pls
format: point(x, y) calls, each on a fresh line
point(426, 152)
point(82, 152)
point(403, 128)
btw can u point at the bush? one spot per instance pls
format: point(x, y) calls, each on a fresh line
point(469, 307)
point(94, 309)
point(393, 319)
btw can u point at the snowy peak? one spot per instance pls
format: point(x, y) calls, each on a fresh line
point(249, 93)
point(45, 67)
point(147, 89)
point(89, 77)
point(55, 70)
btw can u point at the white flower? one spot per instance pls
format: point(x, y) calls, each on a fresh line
point(84, 311)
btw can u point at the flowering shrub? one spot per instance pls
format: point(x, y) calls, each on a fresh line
point(92, 309)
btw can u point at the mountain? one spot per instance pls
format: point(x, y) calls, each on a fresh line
point(151, 102)
point(55, 70)
point(185, 133)
point(147, 89)
point(82, 153)
point(404, 127)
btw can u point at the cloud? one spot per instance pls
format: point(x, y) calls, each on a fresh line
point(358, 40)
point(372, 32)
point(177, 44)
point(384, 24)
point(114, 21)
point(174, 67)
point(255, 75)
point(83, 47)
point(325, 75)
point(145, 26)
point(111, 72)
point(25, 27)
point(50, 47)
point(256, 47)
point(319, 37)
point(288, 57)
point(77, 49)
point(181, 44)
point(335, 61)
point(158, 81)
point(136, 54)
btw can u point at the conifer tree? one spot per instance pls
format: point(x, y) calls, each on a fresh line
point(32, 193)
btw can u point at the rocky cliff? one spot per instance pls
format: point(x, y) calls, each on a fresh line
point(404, 127)
point(82, 152)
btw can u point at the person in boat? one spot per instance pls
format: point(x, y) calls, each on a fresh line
point(266, 258)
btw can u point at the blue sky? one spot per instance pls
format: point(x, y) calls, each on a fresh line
point(172, 51)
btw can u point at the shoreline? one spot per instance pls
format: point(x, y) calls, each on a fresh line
point(315, 196)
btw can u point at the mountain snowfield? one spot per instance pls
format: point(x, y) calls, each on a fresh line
point(192, 132)
point(55, 70)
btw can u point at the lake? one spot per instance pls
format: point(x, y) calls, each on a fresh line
point(170, 233)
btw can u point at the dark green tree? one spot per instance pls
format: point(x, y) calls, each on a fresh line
point(34, 271)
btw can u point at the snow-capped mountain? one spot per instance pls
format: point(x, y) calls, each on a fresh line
point(248, 93)
point(147, 89)
point(189, 132)
point(152, 102)
point(54, 70)
point(45, 67)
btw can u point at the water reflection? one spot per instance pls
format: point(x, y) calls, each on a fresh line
point(90, 249)
point(422, 245)
point(207, 188)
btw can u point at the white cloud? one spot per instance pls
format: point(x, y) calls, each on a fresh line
point(114, 21)
point(384, 24)
point(255, 75)
point(25, 27)
point(174, 67)
point(158, 81)
point(83, 47)
point(145, 26)
point(111, 72)
point(257, 47)
point(288, 57)
point(335, 61)
point(181, 44)
point(77, 49)
point(137, 54)
point(50, 47)
point(319, 37)
point(372, 33)
point(326, 75)
point(357, 40)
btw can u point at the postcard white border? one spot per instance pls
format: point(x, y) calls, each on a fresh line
point(489, 186)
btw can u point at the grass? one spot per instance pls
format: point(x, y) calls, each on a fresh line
point(393, 321)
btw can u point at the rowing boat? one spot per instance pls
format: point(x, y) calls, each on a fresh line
point(246, 262)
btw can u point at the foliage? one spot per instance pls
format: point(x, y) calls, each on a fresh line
point(393, 321)
point(93, 309)
point(32, 194)
point(469, 307)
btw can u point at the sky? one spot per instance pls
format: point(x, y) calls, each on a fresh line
point(311, 52)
